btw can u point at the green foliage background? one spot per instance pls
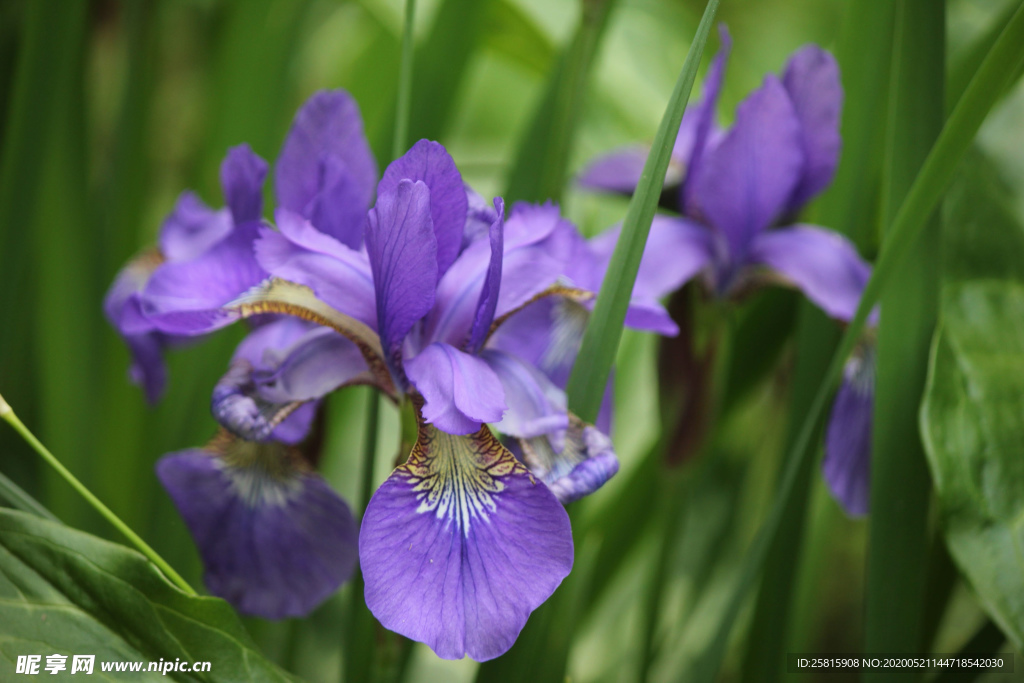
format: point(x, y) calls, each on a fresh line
point(109, 109)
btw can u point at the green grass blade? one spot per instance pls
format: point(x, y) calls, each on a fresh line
point(601, 340)
point(935, 175)
point(900, 482)
point(541, 167)
point(7, 414)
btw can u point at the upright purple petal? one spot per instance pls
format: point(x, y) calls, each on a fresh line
point(847, 464)
point(336, 273)
point(584, 464)
point(461, 391)
point(531, 223)
point(327, 130)
point(192, 228)
point(744, 183)
point(479, 217)
point(275, 540)
point(241, 175)
point(489, 293)
point(186, 297)
point(339, 209)
point(276, 369)
point(699, 122)
point(812, 80)
point(403, 255)
point(823, 264)
point(430, 163)
point(459, 545)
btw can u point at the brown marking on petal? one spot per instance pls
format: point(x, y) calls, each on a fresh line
point(571, 293)
point(282, 297)
point(457, 477)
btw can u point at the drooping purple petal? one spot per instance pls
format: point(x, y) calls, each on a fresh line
point(337, 274)
point(278, 368)
point(535, 405)
point(192, 228)
point(241, 175)
point(699, 122)
point(744, 183)
point(430, 163)
point(618, 171)
point(489, 293)
point(459, 545)
point(275, 540)
point(824, 265)
point(328, 129)
point(461, 391)
point(847, 463)
point(812, 80)
point(582, 466)
point(403, 255)
point(676, 250)
point(186, 297)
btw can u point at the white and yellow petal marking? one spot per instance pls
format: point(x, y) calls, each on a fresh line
point(458, 477)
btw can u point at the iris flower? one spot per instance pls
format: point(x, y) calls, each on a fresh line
point(462, 542)
point(739, 191)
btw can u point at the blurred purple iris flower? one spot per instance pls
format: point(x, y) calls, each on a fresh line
point(739, 191)
point(741, 188)
point(462, 542)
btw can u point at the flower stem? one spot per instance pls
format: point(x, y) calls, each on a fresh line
point(7, 413)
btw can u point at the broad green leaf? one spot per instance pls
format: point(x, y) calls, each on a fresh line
point(509, 31)
point(972, 422)
point(927, 189)
point(66, 592)
point(601, 339)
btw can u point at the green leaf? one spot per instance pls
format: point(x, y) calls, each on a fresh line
point(64, 591)
point(900, 486)
point(542, 164)
point(972, 422)
point(601, 339)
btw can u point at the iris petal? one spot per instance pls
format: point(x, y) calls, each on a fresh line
point(847, 463)
point(328, 129)
point(812, 80)
point(192, 228)
point(430, 163)
point(404, 257)
point(585, 462)
point(241, 175)
point(823, 264)
point(743, 184)
point(459, 545)
point(275, 539)
point(461, 390)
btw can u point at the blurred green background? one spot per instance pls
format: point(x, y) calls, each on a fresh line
point(109, 109)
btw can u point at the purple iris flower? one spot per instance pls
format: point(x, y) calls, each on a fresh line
point(742, 187)
point(274, 538)
point(191, 231)
point(463, 541)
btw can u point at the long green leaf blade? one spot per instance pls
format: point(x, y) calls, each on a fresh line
point(601, 339)
point(900, 485)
